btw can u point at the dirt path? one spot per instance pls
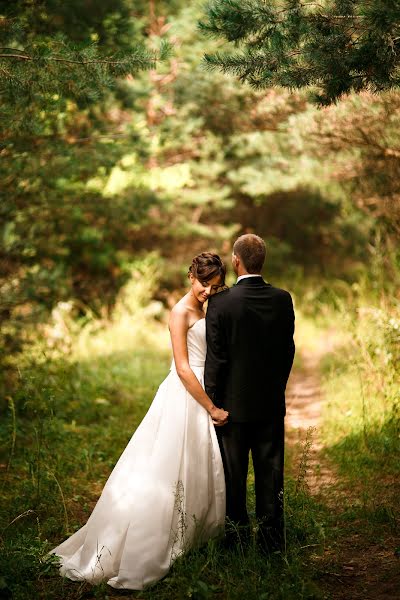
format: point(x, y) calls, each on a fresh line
point(304, 406)
point(353, 566)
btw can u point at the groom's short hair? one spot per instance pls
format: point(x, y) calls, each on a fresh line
point(251, 249)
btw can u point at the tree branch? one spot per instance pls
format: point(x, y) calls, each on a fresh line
point(70, 61)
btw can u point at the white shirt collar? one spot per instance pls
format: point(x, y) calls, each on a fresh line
point(248, 275)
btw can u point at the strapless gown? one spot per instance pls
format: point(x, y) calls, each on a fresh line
point(165, 494)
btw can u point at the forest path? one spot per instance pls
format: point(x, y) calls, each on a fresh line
point(352, 566)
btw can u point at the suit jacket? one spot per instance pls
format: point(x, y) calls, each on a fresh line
point(250, 349)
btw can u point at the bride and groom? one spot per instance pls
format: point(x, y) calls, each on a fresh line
point(184, 471)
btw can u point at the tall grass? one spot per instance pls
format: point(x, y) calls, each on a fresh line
point(77, 395)
point(362, 381)
point(74, 399)
point(358, 336)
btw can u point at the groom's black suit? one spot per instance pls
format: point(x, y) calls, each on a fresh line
point(250, 352)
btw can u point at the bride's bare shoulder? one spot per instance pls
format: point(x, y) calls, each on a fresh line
point(180, 314)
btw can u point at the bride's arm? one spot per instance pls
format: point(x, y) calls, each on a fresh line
point(178, 326)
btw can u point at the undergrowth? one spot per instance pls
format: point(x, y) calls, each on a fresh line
point(69, 412)
point(359, 342)
point(69, 415)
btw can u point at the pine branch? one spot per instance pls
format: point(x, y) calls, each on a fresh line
point(126, 61)
point(338, 47)
point(46, 65)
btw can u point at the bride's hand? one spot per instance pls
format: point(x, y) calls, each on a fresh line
point(219, 416)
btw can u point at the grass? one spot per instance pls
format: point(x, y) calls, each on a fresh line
point(70, 412)
point(69, 415)
point(361, 429)
point(360, 435)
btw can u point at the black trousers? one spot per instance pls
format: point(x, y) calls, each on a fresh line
point(265, 440)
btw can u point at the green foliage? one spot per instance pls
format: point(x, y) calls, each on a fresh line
point(361, 136)
point(62, 236)
point(178, 160)
point(49, 54)
point(338, 46)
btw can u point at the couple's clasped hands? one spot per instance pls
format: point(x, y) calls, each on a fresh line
point(219, 416)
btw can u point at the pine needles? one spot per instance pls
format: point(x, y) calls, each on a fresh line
point(334, 48)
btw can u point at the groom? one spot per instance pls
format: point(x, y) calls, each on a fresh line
point(250, 352)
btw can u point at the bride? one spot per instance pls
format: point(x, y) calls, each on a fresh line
point(167, 490)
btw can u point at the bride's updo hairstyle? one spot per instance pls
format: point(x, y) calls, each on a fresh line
point(207, 265)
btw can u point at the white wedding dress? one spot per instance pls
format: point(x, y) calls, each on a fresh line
point(165, 494)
